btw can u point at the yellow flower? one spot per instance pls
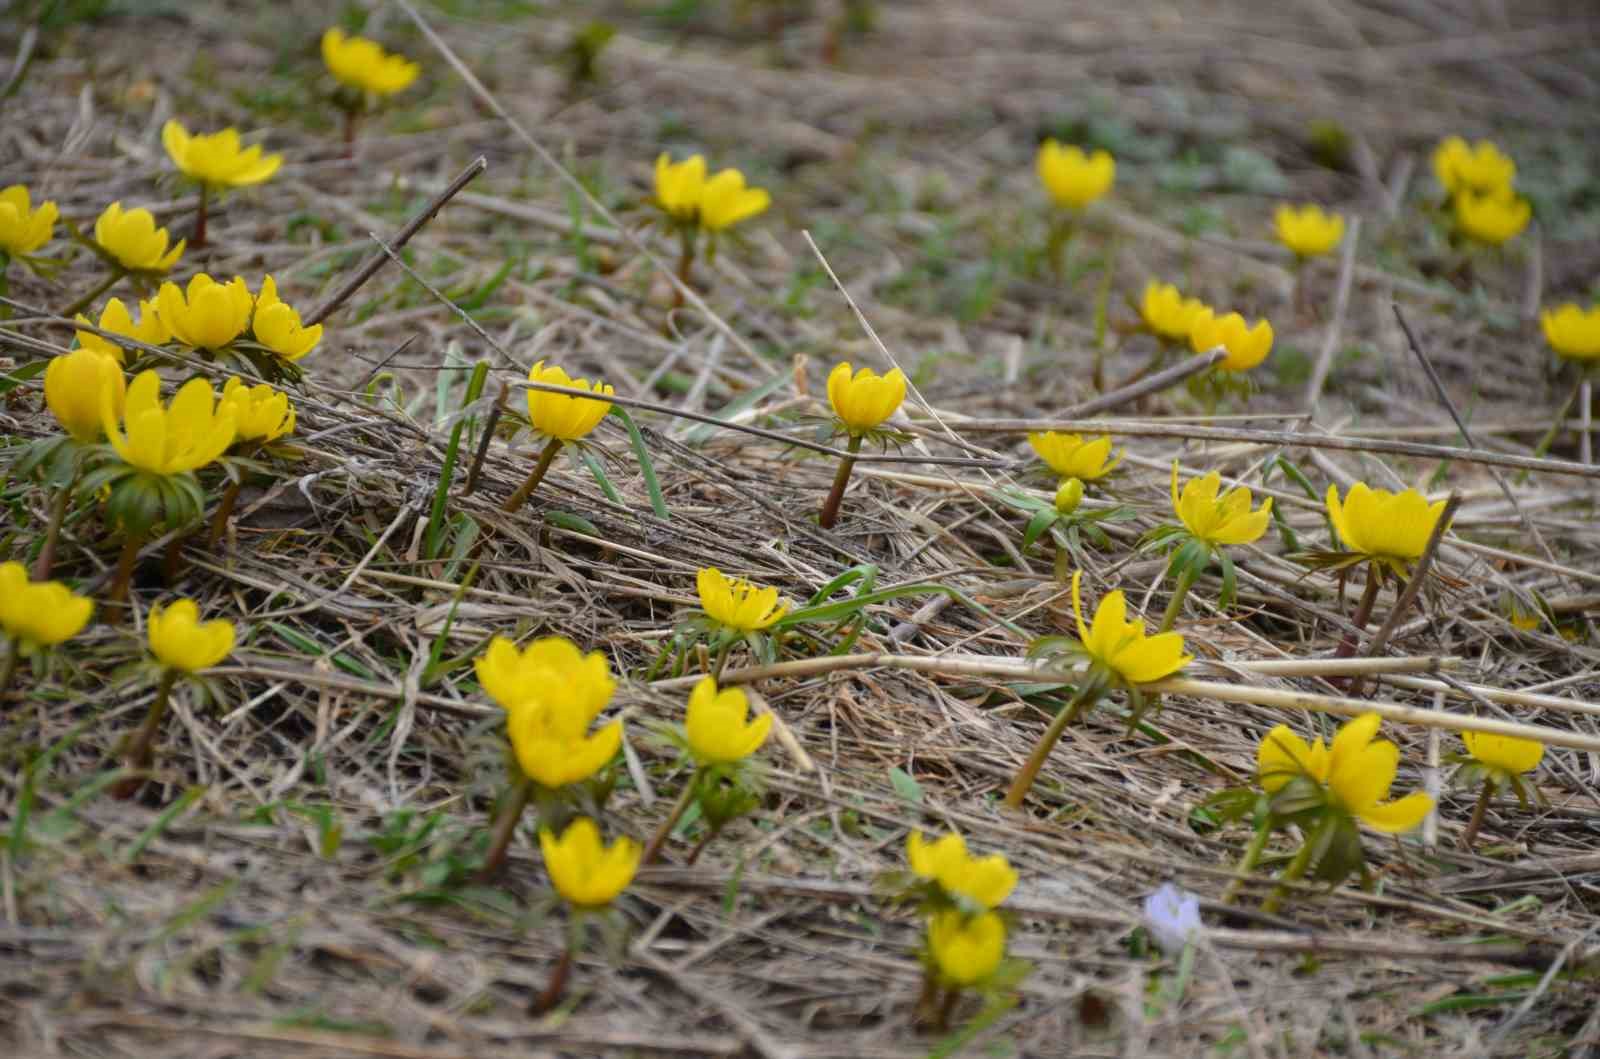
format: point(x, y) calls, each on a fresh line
point(1073, 456)
point(134, 241)
point(547, 668)
point(39, 614)
point(863, 400)
point(260, 413)
point(150, 329)
point(182, 437)
point(985, 881)
point(737, 604)
point(73, 384)
point(1572, 332)
point(1308, 231)
point(1167, 313)
point(1504, 753)
point(1225, 521)
point(1356, 773)
point(277, 326)
point(553, 749)
point(362, 64)
point(1480, 168)
point(1069, 496)
point(557, 415)
point(725, 201)
point(1390, 527)
point(24, 229)
point(718, 726)
point(1492, 218)
point(966, 949)
point(1247, 346)
point(180, 640)
point(1121, 646)
point(1072, 178)
point(216, 160)
point(210, 315)
point(584, 872)
point(679, 186)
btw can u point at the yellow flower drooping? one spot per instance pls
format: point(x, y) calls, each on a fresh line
point(737, 604)
point(181, 641)
point(1167, 313)
point(1120, 646)
point(718, 725)
point(864, 399)
point(23, 227)
point(150, 329)
point(985, 881)
point(365, 66)
point(75, 384)
point(1072, 178)
point(133, 240)
point(678, 186)
point(39, 614)
point(1247, 345)
point(725, 201)
point(586, 873)
point(1504, 753)
point(557, 415)
point(184, 436)
point(1573, 332)
point(1224, 520)
point(1074, 456)
point(1390, 528)
point(1478, 168)
point(1492, 218)
point(966, 949)
point(1355, 773)
point(1307, 231)
point(277, 326)
point(260, 413)
point(208, 315)
point(217, 160)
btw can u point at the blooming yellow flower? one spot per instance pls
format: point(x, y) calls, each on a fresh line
point(24, 229)
point(1228, 520)
point(725, 201)
point(277, 326)
point(1247, 345)
point(1068, 496)
point(1355, 773)
point(1504, 753)
point(556, 415)
point(864, 399)
point(1120, 646)
point(182, 437)
point(260, 413)
point(966, 949)
point(737, 604)
point(1392, 528)
point(718, 727)
point(210, 315)
point(546, 668)
point(42, 614)
point(1167, 313)
point(1492, 218)
point(180, 640)
point(1308, 231)
point(1072, 178)
point(73, 385)
point(1480, 168)
point(115, 318)
point(134, 241)
point(1073, 456)
point(584, 872)
point(679, 186)
point(216, 160)
point(1572, 332)
point(553, 749)
point(985, 881)
point(362, 64)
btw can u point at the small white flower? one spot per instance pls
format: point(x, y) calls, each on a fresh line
point(1171, 915)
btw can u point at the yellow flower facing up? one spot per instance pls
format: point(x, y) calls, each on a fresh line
point(75, 384)
point(208, 315)
point(737, 604)
point(134, 241)
point(1073, 178)
point(719, 727)
point(1074, 456)
point(39, 614)
point(24, 228)
point(966, 950)
point(260, 413)
point(1247, 345)
point(150, 329)
point(1355, 774)
point(679, 186)
point(363, 65)
point(1167, 313)
point(864, 399)
point(1573, 332)
point(277, 326)
point(551, 666)
point(1307, 231)
point(585, 872)
point(1214, 520)
point(1479, 167)
point(1120, 646)
point(1492, 218)
point(559, 416)
point(181, 437)
point(1391, 528)
point(984, 881)
point(725, 201)
point(181, 641)
point(217, 160)
point(1504, 753)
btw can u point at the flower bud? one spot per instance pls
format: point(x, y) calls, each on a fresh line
point(1069, 496)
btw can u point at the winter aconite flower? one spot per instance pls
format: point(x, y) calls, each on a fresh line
point(1246, 345)
point(260, 413)
point(1120, 647)
point(207, 315)
point(1068, 496)
point(982, 881)
point(364, 66)
point(1166, 313)
point(1494, 761)
point(1479, 168)
point(965, 950)
point(694, 203)
point(181, 641)
point(1307, 231)
point(1390, 529)
point(132, 239)
point(718, 726)
point(725, 201)
point(276, 325)
point(35, 616)
point(678, 186)
point(176, 439)
point(513, 676)
point(1573, 332)
point(560, 416)
point(217, 160)
point(115, 318)
point(75, 384)
point(736, 604)
point(1074, 456)
point(1353, 774)
point(552, 693)
point(1491, 218)
point(863, 399)
point(1073, 178)
point(585, 872)
point(24, 228)
point(1214, 520)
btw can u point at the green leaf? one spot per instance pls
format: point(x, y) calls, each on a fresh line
point(1041, 521)
point(658, 503)
point(905, 785)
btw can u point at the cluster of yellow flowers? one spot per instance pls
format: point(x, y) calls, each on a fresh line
point(1175, 319)
point(965, 937)
point(1481, 184)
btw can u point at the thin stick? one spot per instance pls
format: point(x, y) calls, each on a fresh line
point(1149, 384)
point(1341, 299)
point(483, 442)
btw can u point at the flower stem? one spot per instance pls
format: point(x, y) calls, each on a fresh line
point(663, 832)
point(546, 458)
point(830, 506)
point(140, 748)
point(349, 132)
point(118, 595)
point(722, 660)
point(219, 521)
point(1086, 697)
point(1295, 871)
point(1248, 862)
point(685, 266)
point(700, 846)
point(557, 986)
point(1363, 614)
point(941, 1022)
point(505, 827)
point(88, 298)
point(198, 239)
point(1469, 837)
point(1063, 564)
point(52, 532)
point(8, 667)
point(1186, 581)
point(1062, 229)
